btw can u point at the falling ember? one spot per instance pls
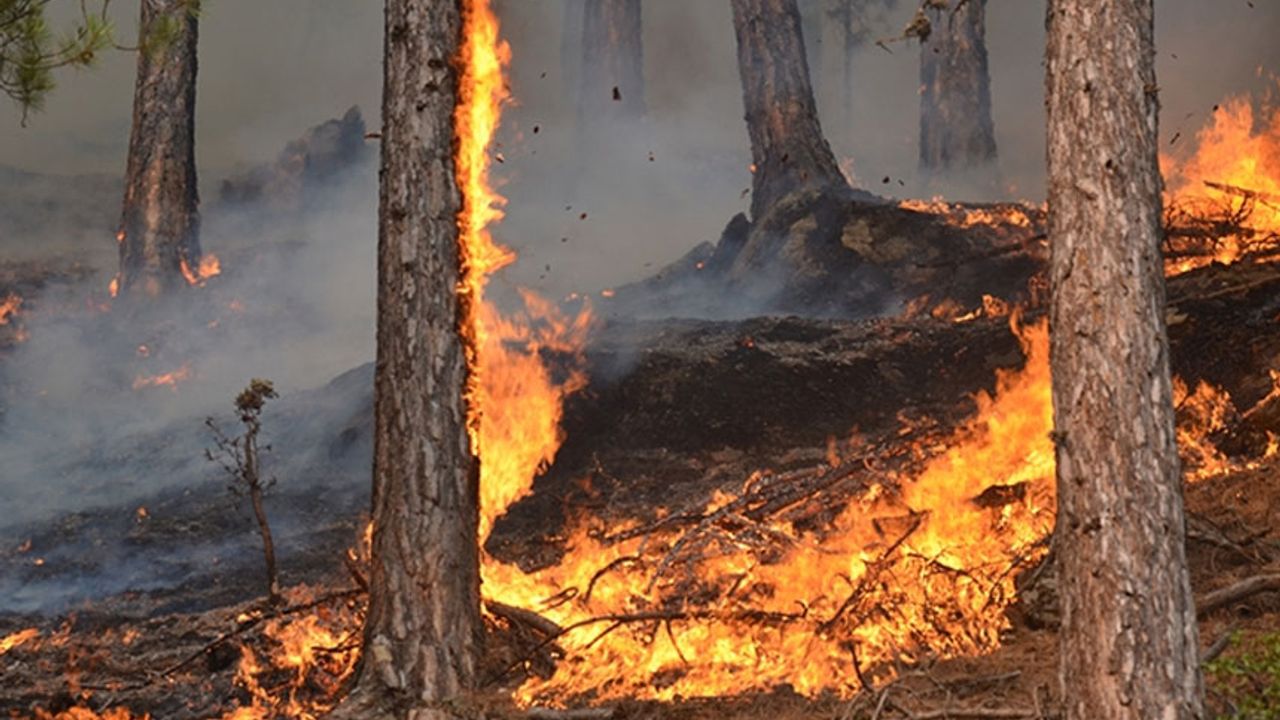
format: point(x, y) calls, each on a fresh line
point(1232, 180)
point(209, 267)
point(170, 379)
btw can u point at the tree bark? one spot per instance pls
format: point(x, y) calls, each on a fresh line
point(160, 225)
point(956, 130)
point(788, 149)
point(612, 70)
point(423, 630)
point(1129, 638)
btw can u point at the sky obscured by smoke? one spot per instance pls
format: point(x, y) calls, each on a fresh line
point(270, 69)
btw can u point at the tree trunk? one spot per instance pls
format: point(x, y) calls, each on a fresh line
point(788, 148)
point(423, 629)
point(811, 28)
point(1129, 636)
point(612, 70)
point(956, 131)
point(160, 226)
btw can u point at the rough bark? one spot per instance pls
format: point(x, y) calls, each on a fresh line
point(788, 149)
point(423, 629)
point(612, 70)
point(159, 226)
point(956, 130)
point(1129, 638)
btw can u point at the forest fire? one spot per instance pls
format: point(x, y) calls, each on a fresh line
point(762, 620)
point(915, 566)
point(513, 401)
point(1227, 191)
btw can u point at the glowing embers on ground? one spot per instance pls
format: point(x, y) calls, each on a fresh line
point(307, 658)
point(1223, 198)
point(912, 567)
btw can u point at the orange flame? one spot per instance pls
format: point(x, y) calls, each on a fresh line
point(514, 403)
point(1235, 168)
point(9, 308)
point(209, 267)
point(939, 588)
point(169, 379)
point(13, 640)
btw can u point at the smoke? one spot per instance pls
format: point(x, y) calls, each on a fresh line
point(296, 301)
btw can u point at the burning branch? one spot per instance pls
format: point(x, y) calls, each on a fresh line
point(240, 457)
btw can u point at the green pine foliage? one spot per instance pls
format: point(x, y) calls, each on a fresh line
point(31, 50)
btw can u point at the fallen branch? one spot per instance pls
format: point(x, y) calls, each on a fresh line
point(521, 616)
point(1235, 593)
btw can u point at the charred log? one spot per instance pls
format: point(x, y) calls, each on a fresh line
point(160, 223)
point(788, 149)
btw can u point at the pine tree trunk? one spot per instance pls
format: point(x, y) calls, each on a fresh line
point(160, 224)
point(956, 130)
point(788, 148)
point(612, 70)
point(1129, 636)
point(423, 629)
point(811, 26)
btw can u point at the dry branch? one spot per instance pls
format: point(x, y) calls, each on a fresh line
point(1235, 593)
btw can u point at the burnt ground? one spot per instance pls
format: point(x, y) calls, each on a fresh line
point(675, 410)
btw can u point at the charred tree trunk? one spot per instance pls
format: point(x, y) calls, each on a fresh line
point(788, 149)
point(1129, 636)
point(612, 70)
point(159, 233)
point(423, 630)
point(956, 130)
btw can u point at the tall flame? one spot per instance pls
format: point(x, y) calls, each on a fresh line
point(1235, 166)
point(513, 401)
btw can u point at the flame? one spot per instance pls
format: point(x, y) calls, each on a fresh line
point(113, 287)
point(939, 587)
point(514, 402)
point(1232, 176)
point(1204, 413)
point(9, 308)
point(209, 267)
point(315, 651)
point(13, 640)
point(967, 217)
point(169, 379)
